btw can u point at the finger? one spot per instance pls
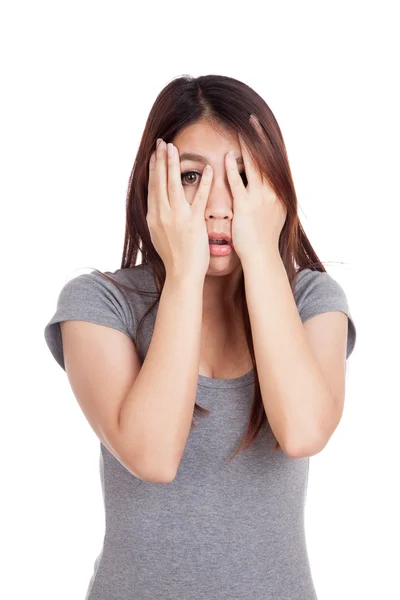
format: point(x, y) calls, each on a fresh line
point(252, 171)
point(151, 186)
point(201, 197)
point(161, 194)
point(176, 193)
point(235, 181)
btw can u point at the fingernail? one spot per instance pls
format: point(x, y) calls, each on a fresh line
point(170, 149)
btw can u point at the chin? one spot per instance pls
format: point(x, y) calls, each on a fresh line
point(223, 265)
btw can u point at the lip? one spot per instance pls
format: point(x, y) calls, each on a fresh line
point(220, 236)
point(220, 250)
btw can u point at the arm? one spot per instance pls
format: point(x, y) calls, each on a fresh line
point(296, 396)
point(156, 415)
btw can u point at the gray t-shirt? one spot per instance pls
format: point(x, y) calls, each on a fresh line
point(220, 530)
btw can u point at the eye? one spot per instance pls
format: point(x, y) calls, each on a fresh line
point(183, 175)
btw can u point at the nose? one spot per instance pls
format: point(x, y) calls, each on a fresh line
point(220, 201)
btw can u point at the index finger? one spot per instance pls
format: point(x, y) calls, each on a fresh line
point(153, 200)
point(252, 172)
point(176, 193)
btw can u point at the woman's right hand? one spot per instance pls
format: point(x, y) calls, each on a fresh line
point(177, 229)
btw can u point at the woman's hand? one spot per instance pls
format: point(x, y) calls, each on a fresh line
point(177, 229)
point(258, 214)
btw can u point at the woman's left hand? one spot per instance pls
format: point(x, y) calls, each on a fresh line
point(258, 214)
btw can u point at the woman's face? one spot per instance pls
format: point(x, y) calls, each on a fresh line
point(202, 139)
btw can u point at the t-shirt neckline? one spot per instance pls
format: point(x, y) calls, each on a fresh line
point(241, 381)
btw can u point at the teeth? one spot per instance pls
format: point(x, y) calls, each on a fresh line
point(214, 241)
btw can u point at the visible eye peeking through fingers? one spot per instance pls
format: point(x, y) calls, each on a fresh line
point(185, 183)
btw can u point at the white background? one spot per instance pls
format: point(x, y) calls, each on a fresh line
point(78, 81)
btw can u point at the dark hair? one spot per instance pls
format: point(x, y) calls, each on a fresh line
point(229, 103)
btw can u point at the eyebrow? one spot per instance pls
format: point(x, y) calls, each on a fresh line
point(202, 159)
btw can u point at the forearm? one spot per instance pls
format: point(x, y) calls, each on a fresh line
point(294, 390)
point(157, 413)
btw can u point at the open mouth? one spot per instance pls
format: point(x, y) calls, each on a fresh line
point(217, 242)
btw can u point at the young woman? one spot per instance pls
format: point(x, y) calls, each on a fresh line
point(251, 334)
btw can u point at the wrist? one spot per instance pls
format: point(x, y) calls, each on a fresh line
point(262, 256)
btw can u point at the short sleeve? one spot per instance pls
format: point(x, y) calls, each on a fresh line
point(318, 292)
point(88, 297)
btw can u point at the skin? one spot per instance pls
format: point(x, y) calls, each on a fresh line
point(222, 277)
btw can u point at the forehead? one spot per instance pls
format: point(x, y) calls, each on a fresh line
point(205, 138)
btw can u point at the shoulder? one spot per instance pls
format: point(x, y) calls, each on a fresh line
point(318, 292)
point(317, 287)
point(139, 275)
point(98, 298)
point(107, 285)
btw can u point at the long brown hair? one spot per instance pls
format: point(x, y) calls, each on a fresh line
point(229, 103)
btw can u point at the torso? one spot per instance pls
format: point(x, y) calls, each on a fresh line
point(221, 358)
